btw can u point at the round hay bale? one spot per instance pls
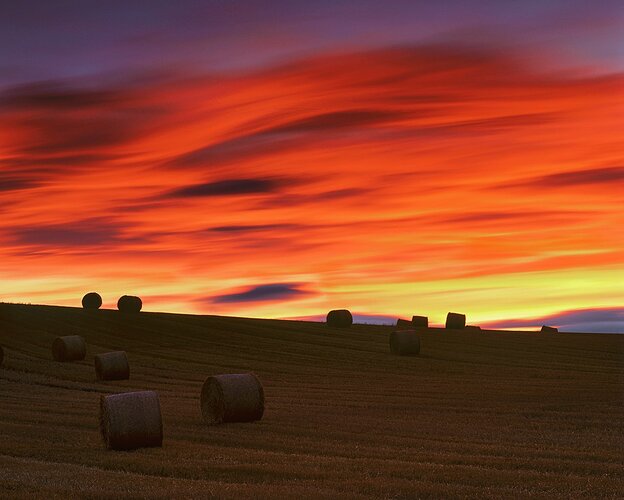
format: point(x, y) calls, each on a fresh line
point(112, 366)
point(129, 304)
point(420, 321)
point(549, 329)
point(455, 321)
point(232, 398)
point(405, 343)
point(131, 420)
point(92, 300)
point(339, 318)
point(472, 328)
point(69, 348)
point(403, 324)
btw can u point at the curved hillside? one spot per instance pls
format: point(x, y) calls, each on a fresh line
point(487, 414)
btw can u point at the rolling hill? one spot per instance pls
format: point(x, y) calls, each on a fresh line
point(477, 414)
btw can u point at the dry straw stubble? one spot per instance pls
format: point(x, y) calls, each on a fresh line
point(232, 398)
point(405, 343)
point(131, 420)
point(69, 348)
point(112, 366)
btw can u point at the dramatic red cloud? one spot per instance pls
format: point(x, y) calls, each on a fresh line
point(416, 180)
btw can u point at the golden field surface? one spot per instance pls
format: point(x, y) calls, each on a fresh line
point(477, 414)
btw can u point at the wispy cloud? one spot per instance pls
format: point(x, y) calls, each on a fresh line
point(90, 232)
point(261, 293)
point(339, 120)
point(573, 178)
point(49, 118)
point(56, 97)
point(241, 228)
point(12, 182)
point(228, 187)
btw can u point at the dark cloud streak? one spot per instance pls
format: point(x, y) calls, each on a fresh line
point(16, 182)
point(84, 233)
point(494, 217)
point(254, 228)
point(284, 137)
point(56, 119)
point(262, 293)
point(352, 118)
point(52, 95)
point(573, 178)
point(229, 187)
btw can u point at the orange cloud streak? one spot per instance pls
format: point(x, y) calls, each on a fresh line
point(400, 181)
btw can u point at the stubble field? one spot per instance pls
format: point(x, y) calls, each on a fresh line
point(477, 414)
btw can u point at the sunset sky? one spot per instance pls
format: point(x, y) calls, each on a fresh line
point(279, 159)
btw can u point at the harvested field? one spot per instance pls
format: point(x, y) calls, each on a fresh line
point(405, 343)
point(476, 414)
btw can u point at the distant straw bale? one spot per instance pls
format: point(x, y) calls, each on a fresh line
point(403, 324)
point(232, 398)
point(472, 328)
point(129, 304)
point(420, 321)
point(92, 300)
point(339, 318)
point(455, 321)
point(131, 420)
point(405, 343)
point(69, 348)
point(112, 366)
point(549, 329)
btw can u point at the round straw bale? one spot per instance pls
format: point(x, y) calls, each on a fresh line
point(232, 398)
point(92, 300)
point(131, 420)
point(112, 366)
point(69, 348)
point(405, 343)
point(472, 328)
point(339, 318)
point(129, 304)
point(455, 321)
point(403, 324)
point(420, 321)
point(549, 329)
